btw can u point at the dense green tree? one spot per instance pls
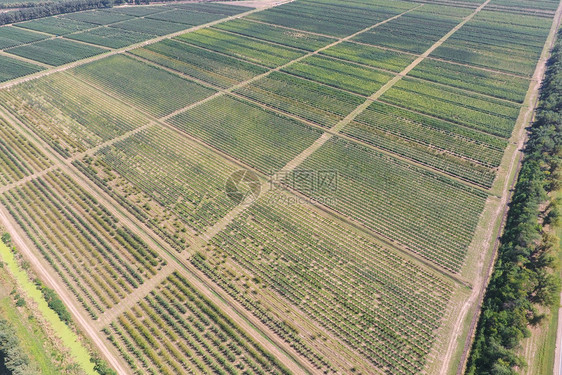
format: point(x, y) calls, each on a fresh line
point(524, 276)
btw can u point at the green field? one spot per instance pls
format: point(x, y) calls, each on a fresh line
point(383, 137)
point(275, 140)
point(55, 25)
point(56, 51)
point(208, 66)
point(67, 114)
point(251, 50)
point(11, 68)
point(110, 37)
point(160, 94)
point(12, 36)
point(290, 38)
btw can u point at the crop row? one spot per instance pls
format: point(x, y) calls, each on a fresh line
point(251, 50)
point(340, 74)
point(486, 82)
point(429, 131)
point(490, 41)
point(544, 8)
point(371, 131)
point(11, 36)
point(110, 37)
point(309, 100)
point(414, 32)
point(382, 305)
point(490, 115)
point(330, 17)
point(211, 67)
point(259, 138)
point(158, 92)
point(213, 8)
point(150, 26)
point(18, 156)
point(97, 17)
point(186, 17)
point(56, 51)
point(12, 68)
point(176, 330)
point(185, 180)
point(424, 212)
point(370, 55)
point(275, 34)
point(55, 25)
point(99, 260)
point(68, 114)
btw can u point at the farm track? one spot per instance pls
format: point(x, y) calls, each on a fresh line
point(295, 117)
point(526, 118)
point(259, 332)
point(112, 52)
point(299, 159)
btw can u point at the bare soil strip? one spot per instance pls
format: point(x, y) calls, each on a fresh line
point(119, 50)
point(24, 246)
point(292, 62)
point(299, 159)
point(513, 164)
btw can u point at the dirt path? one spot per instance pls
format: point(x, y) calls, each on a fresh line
point(138, 294)
point(71, 65)
point(299, 159)
point(24, 246)
point(247, 321)
point(525, 118)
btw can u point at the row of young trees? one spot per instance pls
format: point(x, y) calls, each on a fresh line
point(526, 281)
point(53, 8)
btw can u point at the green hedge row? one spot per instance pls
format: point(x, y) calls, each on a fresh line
point(525, 275)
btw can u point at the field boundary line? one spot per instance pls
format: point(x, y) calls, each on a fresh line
point(293, 164)
point(245, 319)
point(113, 52)
point(525, 118)
point(294, 61)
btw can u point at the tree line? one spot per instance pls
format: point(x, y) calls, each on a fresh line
point(53, 8)
point(525, 281)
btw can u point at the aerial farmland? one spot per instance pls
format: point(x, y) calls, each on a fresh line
point(272, 187)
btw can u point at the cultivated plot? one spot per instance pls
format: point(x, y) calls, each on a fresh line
point(56, 51)
point(159, 92)
point(261, 139)
point(68, 114)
